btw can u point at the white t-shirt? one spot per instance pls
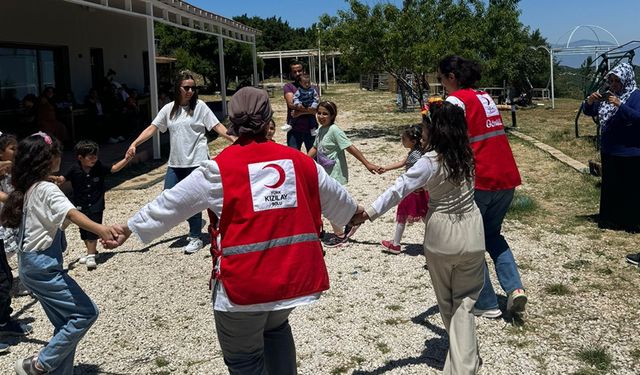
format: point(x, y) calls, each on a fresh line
point(187, 136)
point(46, 209)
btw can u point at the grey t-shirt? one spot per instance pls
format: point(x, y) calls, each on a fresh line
point(187, 134)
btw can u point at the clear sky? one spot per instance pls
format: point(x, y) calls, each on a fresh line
point(554, 18)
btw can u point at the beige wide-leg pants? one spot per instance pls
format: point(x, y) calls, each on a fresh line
point(454, 247)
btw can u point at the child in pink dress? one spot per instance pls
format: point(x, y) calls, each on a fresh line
point(414, 207)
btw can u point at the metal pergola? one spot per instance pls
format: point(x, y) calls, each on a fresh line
point(310, 54)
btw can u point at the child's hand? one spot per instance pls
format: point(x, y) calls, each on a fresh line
point(359, 217)
point(373, 168)
point(131, 151)
point(382, 170)
point(122, 233)
point(107, 233)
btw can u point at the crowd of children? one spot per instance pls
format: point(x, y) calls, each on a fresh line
point(438, 172)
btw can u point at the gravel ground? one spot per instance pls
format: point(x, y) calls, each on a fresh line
point(380, 315)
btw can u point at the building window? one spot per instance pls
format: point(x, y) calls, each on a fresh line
point(25, 71)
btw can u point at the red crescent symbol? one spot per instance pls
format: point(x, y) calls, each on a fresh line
point(281, 174)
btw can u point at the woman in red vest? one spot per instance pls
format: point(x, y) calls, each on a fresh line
point(496, 178)
point(267, 254)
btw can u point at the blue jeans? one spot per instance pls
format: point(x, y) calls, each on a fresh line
point(171, 179)
point(67, 306)
point(295, 139)
point(493, 206)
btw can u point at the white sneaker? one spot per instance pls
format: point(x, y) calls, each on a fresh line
point(194, 245)
point(490, 313)
point(285, 127)
point(91, 262)
point(82, 260)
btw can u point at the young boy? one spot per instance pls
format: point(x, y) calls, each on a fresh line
point(87, 180)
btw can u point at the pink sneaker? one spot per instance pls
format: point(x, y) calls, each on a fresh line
point(390, 248)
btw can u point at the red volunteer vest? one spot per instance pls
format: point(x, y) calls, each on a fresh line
point(270, 225)
point(495, 166)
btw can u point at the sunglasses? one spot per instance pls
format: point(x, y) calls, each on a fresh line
point(188, 88)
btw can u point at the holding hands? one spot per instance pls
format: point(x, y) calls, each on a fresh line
point(120, 233)
point(131, 152)
point(359, 217)
point(374, 169)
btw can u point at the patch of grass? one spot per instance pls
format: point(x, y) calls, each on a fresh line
point(161, 362)
point(557, 289)
point(340, 370)
point(394, 307)
point(394, 321)
point(597, 357)
point(383, 347)
point(328, 353)
point(357, 359)
point(605, 271)
point(526, 266)
point(586, 371)
point(522, 205)
point(576, 264)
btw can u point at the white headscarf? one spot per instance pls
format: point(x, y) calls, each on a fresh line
point(627, 77)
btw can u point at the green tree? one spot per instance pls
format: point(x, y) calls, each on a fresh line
point(413, 39)
point(199, 53)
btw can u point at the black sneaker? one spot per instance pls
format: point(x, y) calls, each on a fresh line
point(331, 240)
point(633, 259)
point(4, 347)
point(13, 328)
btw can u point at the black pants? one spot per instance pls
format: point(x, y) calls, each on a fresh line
point(6, 283)
point(619, 193)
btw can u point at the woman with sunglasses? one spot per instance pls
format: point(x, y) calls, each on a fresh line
point(495, 180)
point(188, 119)
point(618, 113)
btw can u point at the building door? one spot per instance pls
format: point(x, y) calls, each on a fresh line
point(97, 67)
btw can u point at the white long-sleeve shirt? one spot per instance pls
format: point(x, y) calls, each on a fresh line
point(201, 190)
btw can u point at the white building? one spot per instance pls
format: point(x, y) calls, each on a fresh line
point(71, 44)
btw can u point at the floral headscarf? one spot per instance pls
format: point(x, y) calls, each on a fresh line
point(627, 77)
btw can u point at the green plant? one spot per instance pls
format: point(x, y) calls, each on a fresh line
point(557, 289)
point(522, 205)
point(161, 362)
point(383, 347)
point(597, 357)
